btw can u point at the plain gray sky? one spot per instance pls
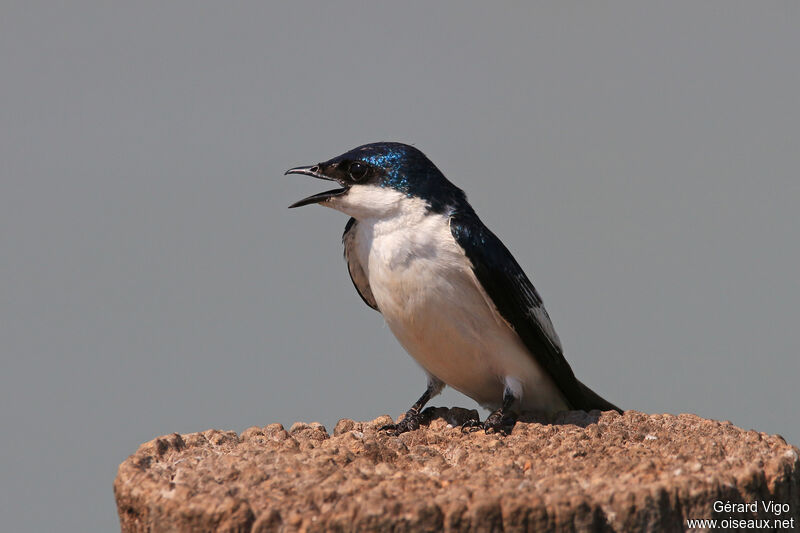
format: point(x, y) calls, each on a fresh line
point(640, 162)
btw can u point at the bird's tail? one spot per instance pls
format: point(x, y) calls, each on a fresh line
point(592, 400)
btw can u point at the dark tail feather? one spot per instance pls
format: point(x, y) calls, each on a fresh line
point(593, 401)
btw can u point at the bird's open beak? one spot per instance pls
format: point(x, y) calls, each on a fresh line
point(314, 171)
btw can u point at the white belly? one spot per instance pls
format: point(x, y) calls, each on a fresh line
point(434, 305)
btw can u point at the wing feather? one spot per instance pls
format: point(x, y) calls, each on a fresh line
point(517, 302)
point(354, 268)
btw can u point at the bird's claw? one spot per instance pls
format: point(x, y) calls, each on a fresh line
point(473, 424)
point(497, 423)
point(494, 423)
point(410, 422)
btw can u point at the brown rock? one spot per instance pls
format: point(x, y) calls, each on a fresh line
point(585, 472)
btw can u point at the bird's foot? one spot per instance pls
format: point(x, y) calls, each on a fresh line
point(473, 424)
point(410, 422)
point(497, 422)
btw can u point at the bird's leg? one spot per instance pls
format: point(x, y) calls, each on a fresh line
point(414, 415)
point(500, 421)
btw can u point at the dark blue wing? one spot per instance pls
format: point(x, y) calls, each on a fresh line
point(518, 302)
point(354, 268)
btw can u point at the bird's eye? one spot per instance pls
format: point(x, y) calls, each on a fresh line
point(358, 171)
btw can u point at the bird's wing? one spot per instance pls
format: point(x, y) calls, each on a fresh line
point(517, 302)
point(357, 274)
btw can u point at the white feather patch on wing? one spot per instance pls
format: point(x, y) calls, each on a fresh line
point(539, 313)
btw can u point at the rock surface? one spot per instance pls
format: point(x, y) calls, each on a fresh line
point(585, 472)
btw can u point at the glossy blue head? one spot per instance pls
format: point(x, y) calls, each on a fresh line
point(379, 176)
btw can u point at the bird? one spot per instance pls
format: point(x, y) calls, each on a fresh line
point(448, 288)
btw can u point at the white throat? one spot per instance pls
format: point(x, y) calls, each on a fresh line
point(372, 202)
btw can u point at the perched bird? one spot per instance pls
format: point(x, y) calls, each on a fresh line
point(448, 288)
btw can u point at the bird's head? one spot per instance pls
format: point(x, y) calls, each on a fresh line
point(378, 179)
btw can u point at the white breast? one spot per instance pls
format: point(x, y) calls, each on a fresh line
point(433, 303)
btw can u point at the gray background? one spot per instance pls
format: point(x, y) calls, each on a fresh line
point(641, 163)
